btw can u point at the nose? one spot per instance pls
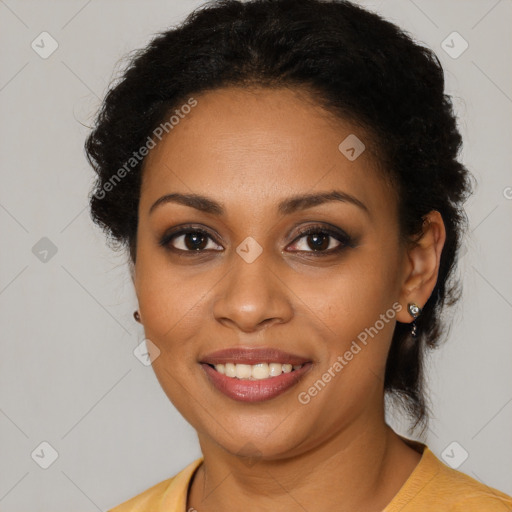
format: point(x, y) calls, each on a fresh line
point(252, 297)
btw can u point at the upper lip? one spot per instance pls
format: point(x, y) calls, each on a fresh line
point(253, 356)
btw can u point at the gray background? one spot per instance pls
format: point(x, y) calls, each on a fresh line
point(68, 375)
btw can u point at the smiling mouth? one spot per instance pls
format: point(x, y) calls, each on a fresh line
point(257, 371)
point(254, 374)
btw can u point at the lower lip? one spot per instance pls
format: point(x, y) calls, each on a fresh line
point(254, 390)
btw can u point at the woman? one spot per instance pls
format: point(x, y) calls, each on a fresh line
point(284, 175)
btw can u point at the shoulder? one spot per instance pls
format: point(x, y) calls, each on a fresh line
point(465, 494)
point(147, 500)
point(433, 486)
point(169, 495)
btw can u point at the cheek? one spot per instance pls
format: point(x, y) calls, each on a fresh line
point(171, 307)
point(352, 308)
point(352, 296)
point(171, 303)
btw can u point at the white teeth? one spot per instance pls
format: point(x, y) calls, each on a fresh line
point(256, 371)
point(260, 371)
point(230, 369)
point(275, 369)
point(243, 371)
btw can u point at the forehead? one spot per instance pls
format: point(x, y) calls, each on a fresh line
point(264, 144)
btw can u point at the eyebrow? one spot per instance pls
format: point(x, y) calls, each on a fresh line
point(285, 207)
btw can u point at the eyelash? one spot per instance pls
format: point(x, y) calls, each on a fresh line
point(342, 237)
point(339, 235)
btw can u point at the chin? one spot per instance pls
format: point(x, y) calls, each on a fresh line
point(268, 436)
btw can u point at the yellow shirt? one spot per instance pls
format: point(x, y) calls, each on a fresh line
point(431, 487)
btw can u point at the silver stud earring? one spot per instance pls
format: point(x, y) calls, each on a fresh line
point(415, 311)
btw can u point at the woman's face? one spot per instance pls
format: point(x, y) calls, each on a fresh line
point(257, 282)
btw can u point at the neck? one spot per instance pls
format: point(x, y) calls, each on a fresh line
point(360, 468)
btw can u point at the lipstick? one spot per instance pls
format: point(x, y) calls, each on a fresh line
point(254, 375)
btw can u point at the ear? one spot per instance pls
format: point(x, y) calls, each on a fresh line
point(422, 265)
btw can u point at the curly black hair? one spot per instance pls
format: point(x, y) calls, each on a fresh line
point(351, 61)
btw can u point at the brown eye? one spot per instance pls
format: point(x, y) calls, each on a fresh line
point(195, 241)
point(190, 240)
point(319, 241)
